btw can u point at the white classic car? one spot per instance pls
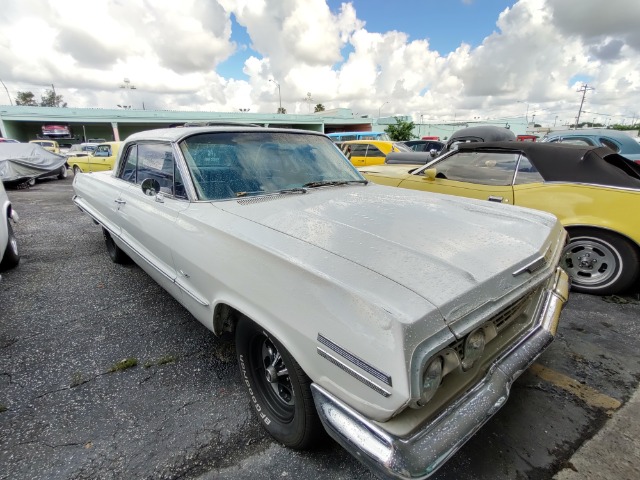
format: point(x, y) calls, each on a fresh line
point(395, 319)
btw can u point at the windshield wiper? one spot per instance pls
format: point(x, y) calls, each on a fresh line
point(334, 182)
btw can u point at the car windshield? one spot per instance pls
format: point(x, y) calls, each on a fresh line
point(236, 164)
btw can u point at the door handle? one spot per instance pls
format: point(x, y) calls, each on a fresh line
point(120, 201)
point(493, 198)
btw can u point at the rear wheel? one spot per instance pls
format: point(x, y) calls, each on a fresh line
point(11, 256)
point(115, 252)
point(278, 388)
point(600, 262)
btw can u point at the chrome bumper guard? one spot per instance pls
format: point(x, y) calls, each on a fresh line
point(421, 454)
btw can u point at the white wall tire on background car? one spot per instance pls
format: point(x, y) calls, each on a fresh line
point(62, 174)
point(11, 256)
point(600, 262)
point(278, 388)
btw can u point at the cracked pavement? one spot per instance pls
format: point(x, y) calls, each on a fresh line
point(68, 316)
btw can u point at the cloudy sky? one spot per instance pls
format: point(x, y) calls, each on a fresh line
point(435, 60)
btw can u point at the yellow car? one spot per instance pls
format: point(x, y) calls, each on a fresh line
point(102, 158)
point(50, 145)
point(370, 152)
point(594, 192)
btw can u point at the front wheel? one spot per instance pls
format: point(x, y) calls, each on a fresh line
point(76, 170)
point(600, 262)
point(279, 389)
point(11, 256)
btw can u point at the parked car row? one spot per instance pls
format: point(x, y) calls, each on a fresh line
point(393, 319)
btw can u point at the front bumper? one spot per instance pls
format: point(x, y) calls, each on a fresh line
point(421, 454)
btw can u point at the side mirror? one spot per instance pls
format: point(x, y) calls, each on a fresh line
point(430, 173)
point(433, 152)
point(150, 186)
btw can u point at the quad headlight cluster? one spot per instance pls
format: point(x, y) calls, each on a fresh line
point(464, 356)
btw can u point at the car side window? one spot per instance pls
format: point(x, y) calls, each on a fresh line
point(374, 151)
point(102, 151)
point(527, 173)
point(611, 144)
point(155, 161)
point(128, 173)
point(483, 168)
point(578, 141)
point(358, 150)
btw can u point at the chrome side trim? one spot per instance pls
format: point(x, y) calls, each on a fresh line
point(383, 377)
point(534, 266)
point(344, 367)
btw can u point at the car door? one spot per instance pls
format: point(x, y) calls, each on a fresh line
point(147, 221)
point(481, 175)
point(102, 158)
point(357, 153)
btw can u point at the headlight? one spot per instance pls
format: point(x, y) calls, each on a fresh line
point(473, 348)
point(431, 379)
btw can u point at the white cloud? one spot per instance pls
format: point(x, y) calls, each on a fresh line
point(539, 53)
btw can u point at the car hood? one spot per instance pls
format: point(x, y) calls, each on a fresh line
point(454, 252)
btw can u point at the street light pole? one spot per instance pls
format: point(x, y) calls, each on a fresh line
point(127, 86)
point(279, 97)
point(381, 108)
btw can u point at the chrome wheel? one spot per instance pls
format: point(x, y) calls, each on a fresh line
point(591, 262)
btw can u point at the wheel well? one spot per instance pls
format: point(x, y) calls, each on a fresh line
point(225, 319)
point(604, 230)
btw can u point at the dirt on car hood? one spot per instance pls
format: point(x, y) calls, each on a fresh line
point(454, 252)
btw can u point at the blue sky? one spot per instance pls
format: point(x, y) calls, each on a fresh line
point(446, 24)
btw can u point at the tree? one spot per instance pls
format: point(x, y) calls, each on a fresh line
point(319, 108)
point(50, 99)
point(26, 98)
point(401, 131)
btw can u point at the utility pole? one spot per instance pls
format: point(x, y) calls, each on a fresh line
point(584, 88)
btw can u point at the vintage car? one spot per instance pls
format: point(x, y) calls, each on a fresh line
point(49, 145)
point(9, 254)
point(590, 189)
point(23, 163)
point(80, 149)
point(617, 141)
point(398, 320)
point(101, 158)
point(370, 152)
point(481, 133)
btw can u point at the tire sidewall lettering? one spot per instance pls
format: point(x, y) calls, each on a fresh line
point(254, 400)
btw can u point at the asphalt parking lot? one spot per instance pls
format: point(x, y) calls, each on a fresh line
point(103, 375)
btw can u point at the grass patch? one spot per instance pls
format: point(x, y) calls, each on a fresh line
point(77, 380)
point(124, 364)
point(161, 361)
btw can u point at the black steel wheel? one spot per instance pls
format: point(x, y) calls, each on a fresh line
point(115, 253)
point(600, 262)
point(11, 256)
point(278, 388)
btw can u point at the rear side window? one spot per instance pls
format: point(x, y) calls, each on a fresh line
point(374, 151)
point(611, 144)
point(527, 173)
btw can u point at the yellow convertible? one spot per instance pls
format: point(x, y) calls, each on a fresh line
point(102, 158)
point(594, 192)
